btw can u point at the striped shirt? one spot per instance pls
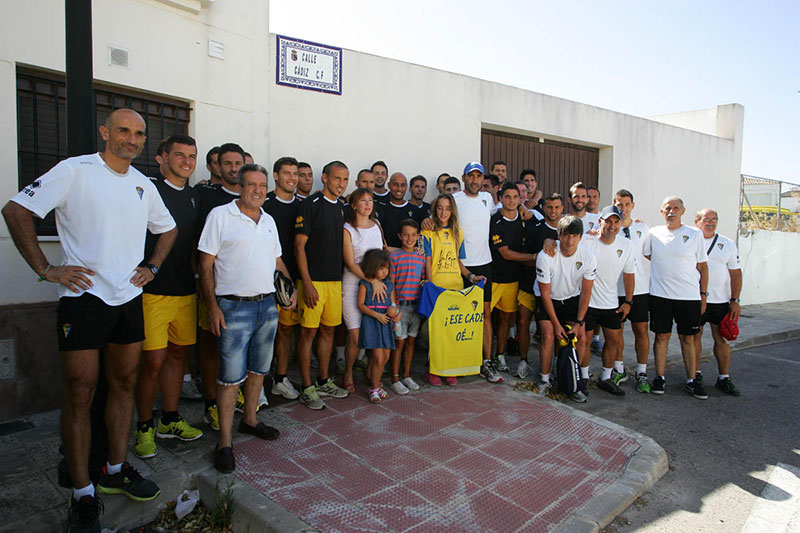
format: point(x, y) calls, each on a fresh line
point(408, 268)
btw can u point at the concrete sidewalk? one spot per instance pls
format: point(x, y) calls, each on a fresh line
point(477, 456)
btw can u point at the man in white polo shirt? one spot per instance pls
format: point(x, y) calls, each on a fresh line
point(615, 261)
point(724, 287)
point(239, 252)
point(103, 210)
point(563, 289)
point(678, 281)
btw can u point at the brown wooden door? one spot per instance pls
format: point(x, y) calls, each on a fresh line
point(558, 165)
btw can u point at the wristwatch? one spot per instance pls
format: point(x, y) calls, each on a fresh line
point(581, 322)
point(152, 268)
point(629, 302)
point(735, 300)
point(703, 293)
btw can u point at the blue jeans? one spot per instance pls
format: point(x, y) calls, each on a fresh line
point(245, 345)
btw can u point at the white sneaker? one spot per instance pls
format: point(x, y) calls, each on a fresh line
point(399, 388)
point(262, 400)
point(410, 383)
point(285, 388)
point(522, 369)
point(544, 388)
point(500, 363)
point(190, 390)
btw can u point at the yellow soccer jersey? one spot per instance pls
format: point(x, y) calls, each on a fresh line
point(455, 329)
point(445, 250)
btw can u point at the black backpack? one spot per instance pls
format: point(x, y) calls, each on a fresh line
point(568, 371)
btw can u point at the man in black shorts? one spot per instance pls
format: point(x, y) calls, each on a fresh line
point(678, 285)
point(100, 305)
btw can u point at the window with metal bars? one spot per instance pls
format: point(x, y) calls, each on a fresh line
point(42, 129)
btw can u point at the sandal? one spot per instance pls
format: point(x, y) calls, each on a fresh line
point(382, 393)
point(349, 387)
point(374, 396)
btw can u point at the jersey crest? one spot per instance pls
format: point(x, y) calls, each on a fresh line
point(578, 265)
point(140, 192)
point(619, 252)
point(685, 238)
point(639, 234)
point(720, 245)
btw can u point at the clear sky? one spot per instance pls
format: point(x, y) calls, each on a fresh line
point(638, 57)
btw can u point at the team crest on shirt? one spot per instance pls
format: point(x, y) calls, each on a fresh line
point(194, 204)
point(639, 234)
point(298, 222)
point(474, 305)
point(591, 225)
point(720, 245)
point(619, 252)
point(140, 192)
point(410, 214)
point(685, 238)
point(578, 265)
point(484, 202)
point(446, 234)
point(65, 329)
point(496, 239)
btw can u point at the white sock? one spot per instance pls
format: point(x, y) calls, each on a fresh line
point(724, 376)
point(689, 380)
point(619, 367)
point(512, 331)
point(340, 353)
point(88, 490)
point(187, 378)
point(584, 372)
point(113, 469)
point(546, 378)
point(641, 368)
point(595, 338)
point(606, 374)
point(698, 372)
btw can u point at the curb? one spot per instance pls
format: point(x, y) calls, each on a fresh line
point(765, 340)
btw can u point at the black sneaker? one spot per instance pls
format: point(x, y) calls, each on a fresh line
point(608, 385)
point(129, 482)
point(698, 377)
point(224, 461)
point(727, 386)
point(84, 515)
point(658, 385)
point(696, 389)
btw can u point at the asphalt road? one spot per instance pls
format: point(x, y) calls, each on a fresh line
point(721, 450)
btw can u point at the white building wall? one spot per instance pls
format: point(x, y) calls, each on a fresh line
point(420, 120)
point(769, 266)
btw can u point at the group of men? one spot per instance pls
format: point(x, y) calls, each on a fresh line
point(147, 261)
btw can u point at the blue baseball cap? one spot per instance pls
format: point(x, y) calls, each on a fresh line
point(473, 166)
point(610, 210)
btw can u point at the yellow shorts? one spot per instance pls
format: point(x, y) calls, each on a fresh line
point(169, 319)
point(527, 300)
point(328, 310)
point(292, 318)
point(504, 296)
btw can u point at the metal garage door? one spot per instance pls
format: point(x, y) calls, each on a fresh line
point(558, 165)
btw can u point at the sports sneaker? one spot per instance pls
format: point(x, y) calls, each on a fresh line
point(340, 366)
point(410, 383)
point(698, 377)
point(522, 369)
point(696, 389)
point(452, 381)
point(285, 388)
point(609, 385)
point(84, 514)
point(544, 388)
point(361, 363)
point(311, 399)
point(596, 347)
point(578, 396)
point(128, 481)
point(727, 386)
point(145, 447)
point(211, 417)
point(433, 379)
point(619, 377)
point(658, 385)
point(642, 385)
point(178, 430)
point(329, 388)
point(500, 362)
point(262, 400)
point(399, 388)
point(239, 408)
point(190, 390)
point(489, 371)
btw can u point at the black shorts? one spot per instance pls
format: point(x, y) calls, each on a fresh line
point(86, 322)
point(607, 318)
point(640, 310)
point(566, 310)
point(685, 313)
point(714, 313)
point(482, 270)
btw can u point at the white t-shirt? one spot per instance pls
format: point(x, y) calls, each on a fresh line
point(640, 234)
point(590, 221)
point(246, 253)
point(102, 219)
point(612, 261)
point(674, 256)
point(723, 257)
point(474, 214)
point(564, 274)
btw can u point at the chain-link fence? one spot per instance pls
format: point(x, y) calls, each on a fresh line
point(768, 204)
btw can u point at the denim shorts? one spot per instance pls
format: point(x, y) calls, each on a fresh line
point(409, 320)
point(245, 345)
